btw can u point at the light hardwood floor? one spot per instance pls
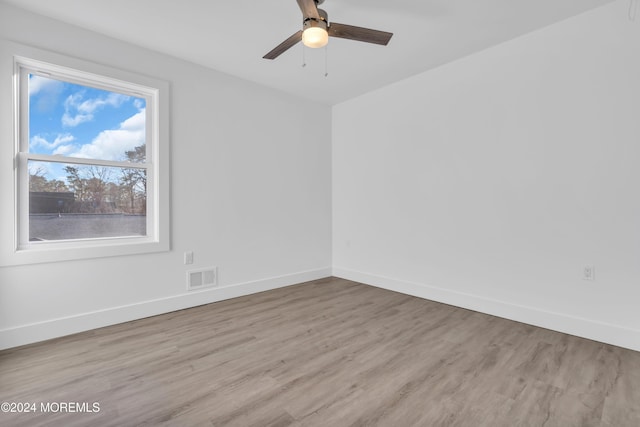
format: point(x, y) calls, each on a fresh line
point(325, 353)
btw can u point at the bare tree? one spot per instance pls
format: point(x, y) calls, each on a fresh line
point(38, 182)
point(134, 180)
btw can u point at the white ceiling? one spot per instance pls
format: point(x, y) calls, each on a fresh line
point(232, 36)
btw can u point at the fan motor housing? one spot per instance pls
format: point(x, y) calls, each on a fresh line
point(323, 22)
point(310, 23)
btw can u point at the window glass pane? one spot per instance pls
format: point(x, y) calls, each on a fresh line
point(80, 121)
point(68, 201)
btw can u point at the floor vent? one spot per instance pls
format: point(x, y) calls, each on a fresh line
point(200, 279)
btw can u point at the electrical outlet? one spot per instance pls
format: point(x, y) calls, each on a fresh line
point(188, 257)
point(588, 272)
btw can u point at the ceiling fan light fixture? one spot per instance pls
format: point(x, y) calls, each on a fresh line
point(316, 30)
point(315, 37)
point(315, 34)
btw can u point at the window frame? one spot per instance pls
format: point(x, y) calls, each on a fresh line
point(27, 61)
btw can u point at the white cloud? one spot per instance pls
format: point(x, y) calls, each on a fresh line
point(138, 103)
point(135, 122)
point(71, 104)
point(64, 150)
point(44, 94)
point(63, 138)
point(78, 111)
point(73, 121)
point(112, 144)
point(40, 141)
point(91, 105)
point(39, 84)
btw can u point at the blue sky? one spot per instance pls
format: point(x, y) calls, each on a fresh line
point(78, 121)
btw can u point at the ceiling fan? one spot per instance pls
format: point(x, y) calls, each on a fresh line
point(316, 30)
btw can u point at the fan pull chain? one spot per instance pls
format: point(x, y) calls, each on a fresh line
point(633, 7)
point(326, 61)
point(304, 60)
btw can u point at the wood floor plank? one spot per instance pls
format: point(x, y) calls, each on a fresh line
point(327, 352)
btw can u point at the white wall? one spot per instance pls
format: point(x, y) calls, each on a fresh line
point(250, 194)
point(489, 182)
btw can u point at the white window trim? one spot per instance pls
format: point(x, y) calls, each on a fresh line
point(18, 250)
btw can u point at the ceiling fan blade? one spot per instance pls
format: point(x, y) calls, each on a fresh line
point(309, 9)
point(285, 45)
point(358, 33)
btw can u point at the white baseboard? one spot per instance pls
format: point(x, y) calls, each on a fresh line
point(35, 332)
point(586, 328)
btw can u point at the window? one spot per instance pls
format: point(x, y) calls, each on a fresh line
point(90, 179)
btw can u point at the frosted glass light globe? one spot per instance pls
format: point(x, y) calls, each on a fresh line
point(315, 37)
